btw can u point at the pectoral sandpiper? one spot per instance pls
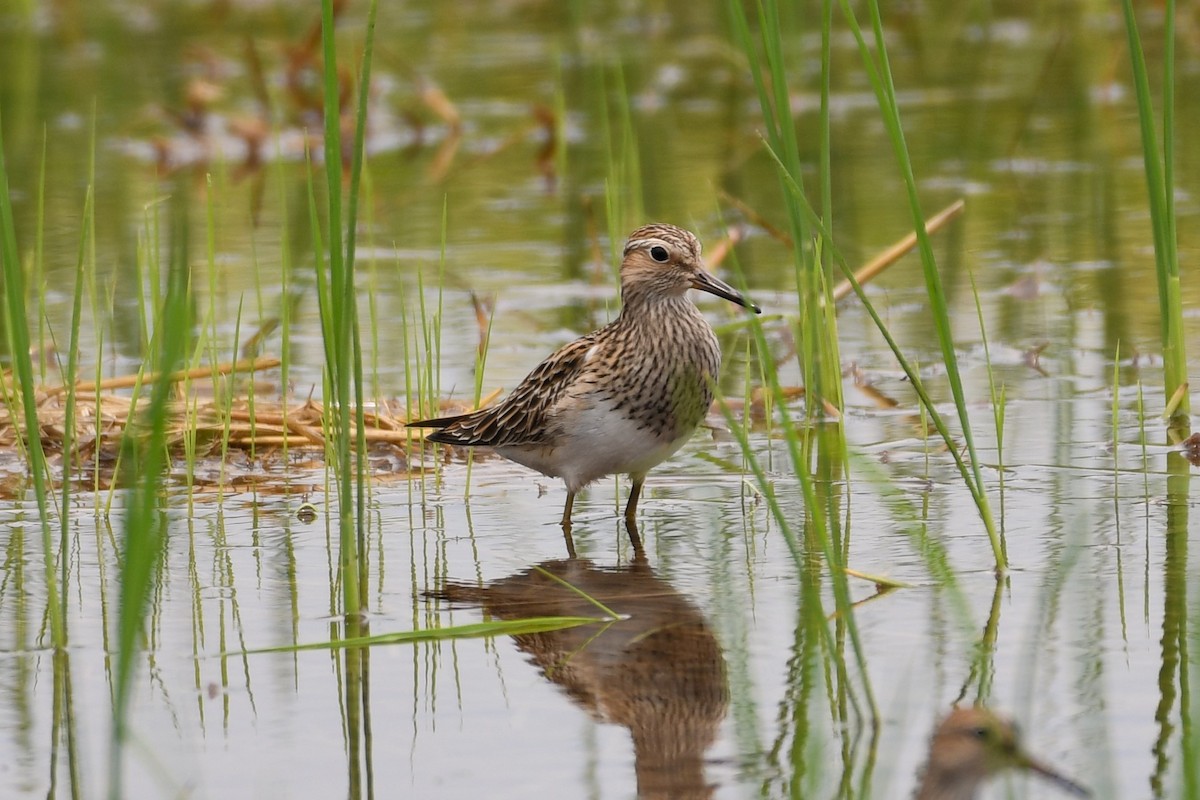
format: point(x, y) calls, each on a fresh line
point(623, 398)
point(972, 744)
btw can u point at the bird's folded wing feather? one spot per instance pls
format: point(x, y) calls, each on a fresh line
point(524, 417)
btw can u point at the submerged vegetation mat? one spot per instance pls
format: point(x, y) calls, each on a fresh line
point(203, 423)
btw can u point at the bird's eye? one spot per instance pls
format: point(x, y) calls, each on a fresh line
point(659, 254)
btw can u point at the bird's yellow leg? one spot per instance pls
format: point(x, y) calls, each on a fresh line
point(566, 517)
point(634, 493)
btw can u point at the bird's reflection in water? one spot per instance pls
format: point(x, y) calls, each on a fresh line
point(657, 670)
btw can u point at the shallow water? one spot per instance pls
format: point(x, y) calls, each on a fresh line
point(1029, 115)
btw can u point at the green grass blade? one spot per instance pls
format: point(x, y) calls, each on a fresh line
point(1160, 176)
point(18, 331)
point(145, 458)
point(356, 166)
point(880, 77)
point(516, 627)
point(910, 370)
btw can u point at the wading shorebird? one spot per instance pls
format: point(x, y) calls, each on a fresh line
point(972, 744)
point(623, 398)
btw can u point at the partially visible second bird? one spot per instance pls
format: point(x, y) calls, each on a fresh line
point(623, 398)
point(972, 744)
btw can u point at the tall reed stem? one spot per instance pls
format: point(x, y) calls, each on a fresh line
point(1160, 184)
point(144, 458)
point(18, 338)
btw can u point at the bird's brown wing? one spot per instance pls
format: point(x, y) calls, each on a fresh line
point(525, 416)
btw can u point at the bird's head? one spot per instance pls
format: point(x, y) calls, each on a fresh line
point(664, 261)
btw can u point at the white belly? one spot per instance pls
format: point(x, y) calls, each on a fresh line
point(598, 442)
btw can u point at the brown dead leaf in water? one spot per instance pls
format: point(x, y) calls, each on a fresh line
point(863, 383)
point(759, 402)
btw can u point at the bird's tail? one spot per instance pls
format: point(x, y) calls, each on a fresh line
point(450, 431)
point(437, 422)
